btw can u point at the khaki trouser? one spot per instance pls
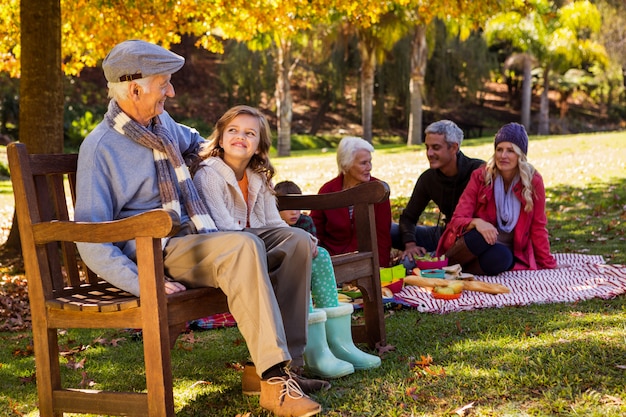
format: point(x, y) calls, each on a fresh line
point(271, 310)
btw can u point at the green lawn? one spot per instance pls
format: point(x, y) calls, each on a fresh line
point(544, 360)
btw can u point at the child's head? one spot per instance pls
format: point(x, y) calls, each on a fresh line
point(284, 188)
point(259, 161)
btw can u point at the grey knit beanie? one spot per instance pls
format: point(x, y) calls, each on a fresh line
point(514, 133)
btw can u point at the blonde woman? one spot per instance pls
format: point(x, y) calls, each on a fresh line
point(500, 221)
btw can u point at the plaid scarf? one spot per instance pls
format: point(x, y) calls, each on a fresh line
point(165, 153)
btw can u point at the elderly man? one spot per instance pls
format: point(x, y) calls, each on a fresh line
point(443, 183)
point(134, 161)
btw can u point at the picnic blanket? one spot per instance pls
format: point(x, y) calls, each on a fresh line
point(579, 277)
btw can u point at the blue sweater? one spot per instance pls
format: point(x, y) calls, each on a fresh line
point(116, 178)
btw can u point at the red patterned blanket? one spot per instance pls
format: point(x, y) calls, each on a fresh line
point(579, 277)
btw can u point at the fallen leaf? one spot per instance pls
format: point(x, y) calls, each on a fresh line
point(75, 365)
point(188, 338)
point(66, 351)
point(86, 381)
point(14, 408)
point(116, 342)
point(610, 399)
point(422, 367)
point(424, 361)
point(411, 392)
point(462, 410)
point(100, 341)
point(199, 383)
point(384, 349)
point(235, 365)
point(458, 326)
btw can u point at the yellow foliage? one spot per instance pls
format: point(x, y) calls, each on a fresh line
point(90, 29)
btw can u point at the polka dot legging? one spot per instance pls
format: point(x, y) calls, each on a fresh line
point(323, 283)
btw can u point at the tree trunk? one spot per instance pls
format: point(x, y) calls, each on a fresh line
point(527, 88)
point(544, 109)
point(419, 58)
point(41, 84)
point(368, 68)
point(283, 96)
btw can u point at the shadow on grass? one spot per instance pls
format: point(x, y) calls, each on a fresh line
point(589, 220)
point(558, 358)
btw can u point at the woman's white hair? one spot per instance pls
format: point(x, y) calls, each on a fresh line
point(119, 91)
point(526, 172)
point(347, 149)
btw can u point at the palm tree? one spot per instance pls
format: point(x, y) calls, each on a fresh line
point(559, 39)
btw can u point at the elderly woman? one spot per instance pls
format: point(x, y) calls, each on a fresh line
point(500, 221)
point(336, 228)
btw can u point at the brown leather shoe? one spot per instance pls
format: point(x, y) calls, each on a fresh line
point(282, 396)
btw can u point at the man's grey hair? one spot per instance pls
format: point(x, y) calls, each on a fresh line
point(119, 91)
point(450, 131)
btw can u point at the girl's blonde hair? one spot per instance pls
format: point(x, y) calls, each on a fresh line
point(526, 172)
point(260, 162)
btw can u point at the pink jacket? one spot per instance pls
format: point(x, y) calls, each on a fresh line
point(531, 247)
point(335, 228)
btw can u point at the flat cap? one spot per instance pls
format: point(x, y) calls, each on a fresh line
point(135, 59)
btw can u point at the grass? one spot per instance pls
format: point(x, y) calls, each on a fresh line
point(564, 359)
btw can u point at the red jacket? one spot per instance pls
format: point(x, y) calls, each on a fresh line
point(531, 247)
point(335, 228)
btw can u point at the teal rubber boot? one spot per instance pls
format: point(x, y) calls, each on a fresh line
point(318, 359)
point(339, 336)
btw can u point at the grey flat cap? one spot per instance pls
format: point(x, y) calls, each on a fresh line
point(135, 59)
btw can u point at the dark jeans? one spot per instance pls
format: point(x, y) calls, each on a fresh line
point(493, 259)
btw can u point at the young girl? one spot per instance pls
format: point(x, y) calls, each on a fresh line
point(234, 179)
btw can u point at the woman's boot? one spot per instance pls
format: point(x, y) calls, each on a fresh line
point(460, 254)
point(339, 335)
point(318, 358)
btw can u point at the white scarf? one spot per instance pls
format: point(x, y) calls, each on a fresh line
point(507, 205)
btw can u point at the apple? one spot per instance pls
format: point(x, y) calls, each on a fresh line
point(444, 290)
point(457, 286)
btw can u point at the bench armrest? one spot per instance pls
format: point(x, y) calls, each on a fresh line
point(157, 223)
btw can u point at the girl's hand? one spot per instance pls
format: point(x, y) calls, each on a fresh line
point(314, 251)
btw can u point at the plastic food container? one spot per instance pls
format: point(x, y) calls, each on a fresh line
point(431, 264)
point(446, 296)
point(395, 286)
point(433, 273)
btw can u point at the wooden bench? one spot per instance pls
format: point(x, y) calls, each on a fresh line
point(63, 293)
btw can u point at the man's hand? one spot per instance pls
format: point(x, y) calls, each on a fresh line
point(172, 286)
point(412, 250)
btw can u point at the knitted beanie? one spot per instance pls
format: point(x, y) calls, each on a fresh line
point(514, 133)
